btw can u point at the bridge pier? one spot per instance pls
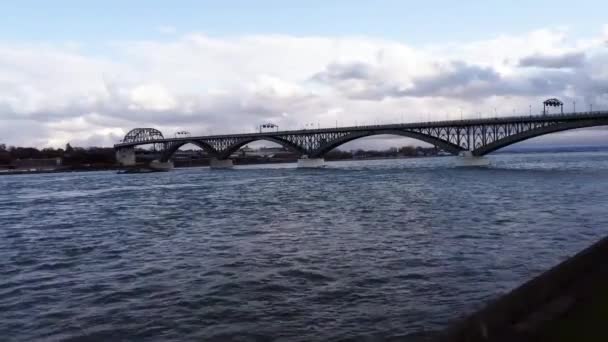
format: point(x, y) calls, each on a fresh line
point(126, 156)
point(308, 163)
point(215, 163)
point(466, 158)
point(157, 165)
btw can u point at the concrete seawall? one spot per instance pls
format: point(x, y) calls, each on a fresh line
point(569, 302)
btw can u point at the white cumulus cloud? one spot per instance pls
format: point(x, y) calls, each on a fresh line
point(51, 93)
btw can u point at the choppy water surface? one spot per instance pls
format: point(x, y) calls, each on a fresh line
point(376, 249)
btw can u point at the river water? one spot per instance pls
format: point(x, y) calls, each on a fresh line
point(368, 250)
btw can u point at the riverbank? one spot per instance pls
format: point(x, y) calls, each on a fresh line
point(249, 161)
point(569, 302)
point(237, 162)
point(29, 172)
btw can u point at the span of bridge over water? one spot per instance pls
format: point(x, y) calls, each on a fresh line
point(471, 139)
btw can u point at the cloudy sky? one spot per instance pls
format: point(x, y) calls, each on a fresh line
point(86, 72)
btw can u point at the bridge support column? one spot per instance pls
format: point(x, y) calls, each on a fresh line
point(157, 165)
point(311, 162)
point(126, 156)
point(466, 158)
point(215, 163)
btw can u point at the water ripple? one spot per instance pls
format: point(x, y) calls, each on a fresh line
point(377, 250)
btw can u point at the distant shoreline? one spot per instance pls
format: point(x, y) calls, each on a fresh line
point(558, 149)
point(26, 172)
point(531, 150)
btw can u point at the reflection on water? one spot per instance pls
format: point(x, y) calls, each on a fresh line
point(380, 248)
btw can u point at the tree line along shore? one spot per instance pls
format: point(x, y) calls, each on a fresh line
point(30, 159)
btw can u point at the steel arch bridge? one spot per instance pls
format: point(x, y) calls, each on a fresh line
point(477, 136)
point(142, 134)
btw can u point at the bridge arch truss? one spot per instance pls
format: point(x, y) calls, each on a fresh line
point(480, 137)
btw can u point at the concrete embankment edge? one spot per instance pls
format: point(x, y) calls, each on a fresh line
point(568, 301)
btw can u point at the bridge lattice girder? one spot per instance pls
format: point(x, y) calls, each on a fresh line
point(142, 134)
point(478, 136)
